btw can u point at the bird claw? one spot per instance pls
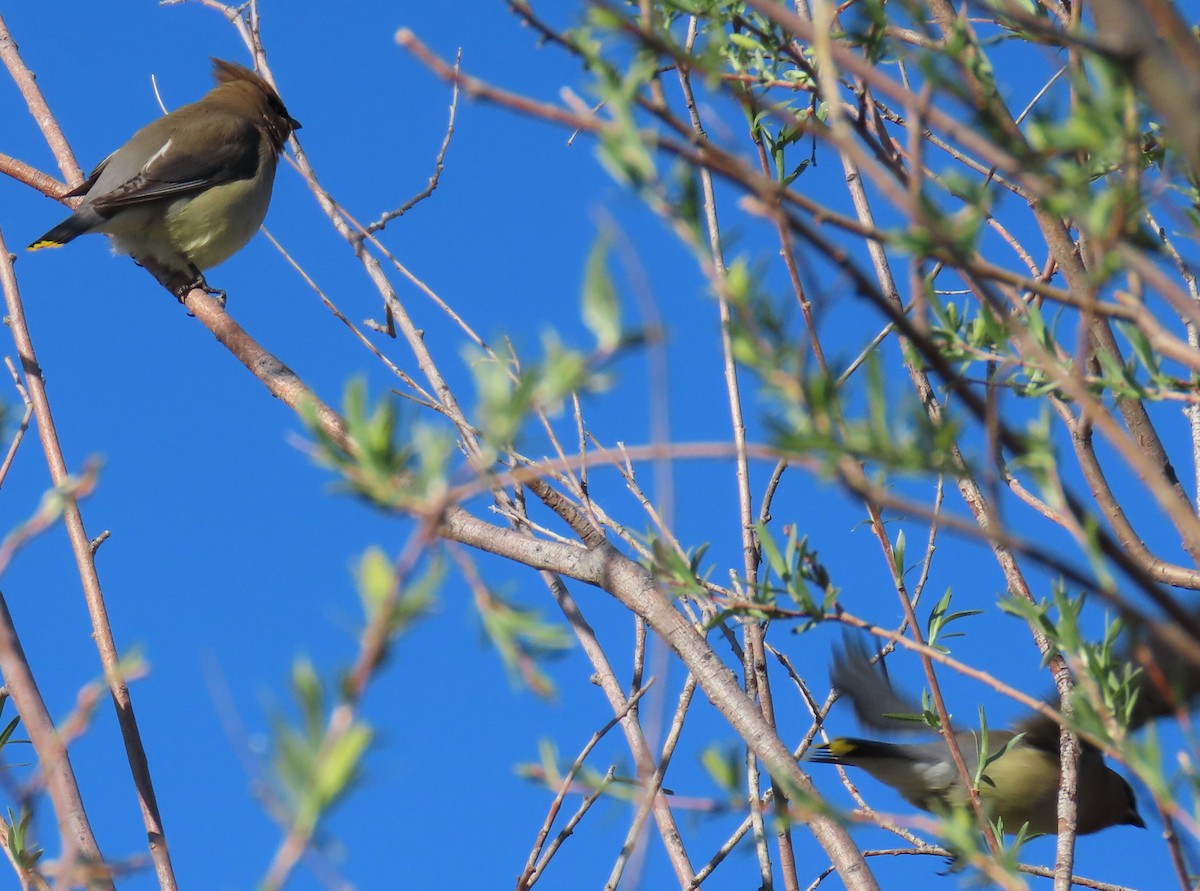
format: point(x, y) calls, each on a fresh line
point(216, 294)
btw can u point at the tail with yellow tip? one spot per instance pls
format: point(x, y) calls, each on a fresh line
point(69, 229)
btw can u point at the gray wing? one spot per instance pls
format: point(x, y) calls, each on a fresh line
point(870, 691)
point(178, 171)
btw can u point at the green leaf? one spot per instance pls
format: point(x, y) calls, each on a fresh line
point(941, 617)
point(309, 696)
point(725, 765)
point(376, 580)
point(9, 728)
point(340, 764)
point(523, 639)
point(601, 308)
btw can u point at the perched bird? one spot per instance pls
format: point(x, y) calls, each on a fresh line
point(1019, 782)
point(191, 188)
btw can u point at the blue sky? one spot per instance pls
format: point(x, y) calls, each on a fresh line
point(230, 555)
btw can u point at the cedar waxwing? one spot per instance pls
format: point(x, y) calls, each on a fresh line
point(1020, 786)
point(191, 188)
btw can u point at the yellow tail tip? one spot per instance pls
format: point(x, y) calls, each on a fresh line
point(45, 243)
point(840, 747)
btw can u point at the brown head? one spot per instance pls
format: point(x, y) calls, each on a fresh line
point(242, 89)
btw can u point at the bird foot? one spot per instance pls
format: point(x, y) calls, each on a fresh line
point(183, 290)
